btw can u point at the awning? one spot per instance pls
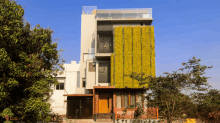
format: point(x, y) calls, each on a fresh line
point(78, 95)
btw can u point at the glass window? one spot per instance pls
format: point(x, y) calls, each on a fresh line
point(60, 86)
point(57, 87)
point(132, 98)
point(139, 99)
point(119, 100)
point(78, 79)
point(92, 66)
point(83, 82)
point(125, 95)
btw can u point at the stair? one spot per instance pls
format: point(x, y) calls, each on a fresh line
point(105, 116)
point(104, 121)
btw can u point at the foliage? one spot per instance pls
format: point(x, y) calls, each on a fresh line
point(56, 118)
point(133, 52)
point(136, 53)
point(165, 90)
point(128, 55)
point(138, 110)
point(7, 122)
point(7, 112)
point(119, 57)
point(29, 60)
point(208, 105)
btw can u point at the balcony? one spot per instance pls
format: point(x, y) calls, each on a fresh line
point(104, 45)
point(91, 53)
point(144, 13)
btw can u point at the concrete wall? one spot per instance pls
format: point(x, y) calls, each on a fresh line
point(125, 25)
point(69, 77)
point(91, 76)
point(88, 27)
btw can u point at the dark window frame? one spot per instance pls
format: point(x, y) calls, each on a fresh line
point(129, 98)
point(58, 87)
point(83, 82)
point(93, 66)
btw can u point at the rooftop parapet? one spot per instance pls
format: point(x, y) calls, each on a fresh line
point(129, 13)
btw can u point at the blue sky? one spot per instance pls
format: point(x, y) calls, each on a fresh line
point(183, 29)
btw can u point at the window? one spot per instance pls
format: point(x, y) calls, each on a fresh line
point(139, 98)
point(126, 98)
point(83, 82)
point(78, 79)
point(60, 86)
point(119, 100)
point(92, 66)
point(132, 98)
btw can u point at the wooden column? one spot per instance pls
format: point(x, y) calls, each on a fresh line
point(129, 98)
point(114, 104)
point(157, 113)
point(110, 102)
point(122, 100)
point(93, 101)
point(96, 103)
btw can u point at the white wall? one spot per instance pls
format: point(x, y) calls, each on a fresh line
point(88, 27)
point(69, 77)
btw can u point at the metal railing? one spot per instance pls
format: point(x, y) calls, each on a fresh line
point(130, 13)
point(124, 14)
point(88, 9)
point(91, 53)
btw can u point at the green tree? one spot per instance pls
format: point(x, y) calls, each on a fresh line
point(28, 61)
point(208, 105)
point(165, 91)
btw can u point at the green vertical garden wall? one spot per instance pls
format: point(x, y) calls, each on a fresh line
point(134, 51)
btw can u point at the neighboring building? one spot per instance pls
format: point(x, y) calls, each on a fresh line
point(114, 43)
point(68, 83)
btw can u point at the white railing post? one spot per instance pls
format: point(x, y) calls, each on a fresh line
point(108, 14)
point(137, 14)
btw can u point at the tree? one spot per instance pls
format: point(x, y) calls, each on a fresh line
point(208, 105)
point(28, 61)
point(166, 90)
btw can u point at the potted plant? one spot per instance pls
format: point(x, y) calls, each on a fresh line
point(7, 114)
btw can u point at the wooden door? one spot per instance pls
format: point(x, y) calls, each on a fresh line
point(103, 102)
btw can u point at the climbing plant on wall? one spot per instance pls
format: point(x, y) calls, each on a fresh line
point(134, 51)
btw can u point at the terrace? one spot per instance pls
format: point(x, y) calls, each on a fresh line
point(129, 13)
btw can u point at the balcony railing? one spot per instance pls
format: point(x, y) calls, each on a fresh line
point(88, 9)
point(124, 13)
point(91, 53)
point(131, 13)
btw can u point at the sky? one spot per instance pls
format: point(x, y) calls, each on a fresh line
point(183, 29)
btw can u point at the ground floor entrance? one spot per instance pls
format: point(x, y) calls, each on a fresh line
point(79, 107)
point(108, 103)
point(104, 102)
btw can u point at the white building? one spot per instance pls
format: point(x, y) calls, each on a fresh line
point(68, 83)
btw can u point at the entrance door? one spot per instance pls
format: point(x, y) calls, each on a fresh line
point(103, 102)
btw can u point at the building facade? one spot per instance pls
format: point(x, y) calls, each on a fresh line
point(68, 82)
point(114, 43)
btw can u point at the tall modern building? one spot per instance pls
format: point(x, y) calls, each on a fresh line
point(114, 43)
